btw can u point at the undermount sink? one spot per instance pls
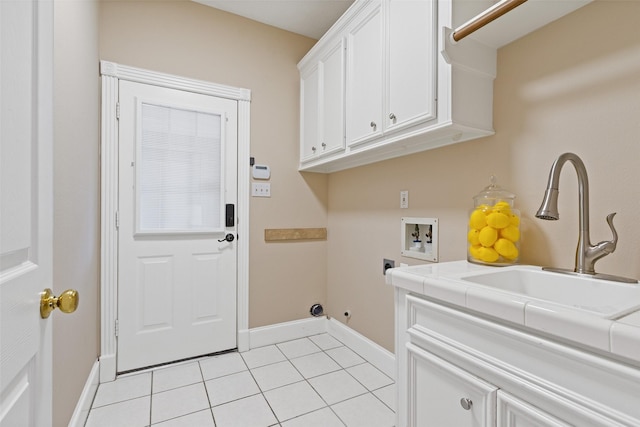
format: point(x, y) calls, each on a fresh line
point(601, 297)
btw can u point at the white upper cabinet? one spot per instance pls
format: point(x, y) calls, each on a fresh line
point(309, 112)
point(322, 104)
point(411, 72)
point(364, 76)
point(404, 86)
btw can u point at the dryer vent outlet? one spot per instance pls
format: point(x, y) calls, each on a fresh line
point(316, 310)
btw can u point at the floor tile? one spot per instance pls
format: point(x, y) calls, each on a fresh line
point(231, 387)
point(387, 395)
point(325, 341)
point(130, 413)
point(364, 411)
point(224, 364)
point(321, 418)
point(276, 375)
point(297, 348)
point(124, 388)
point(199, 419)
point(345, 356)
point(176, 376)
point(369, 376)
point(251, 411)
point(177, 402)
point(337, 386)
point(315, 364)
point(263, 356)
point(293, 400)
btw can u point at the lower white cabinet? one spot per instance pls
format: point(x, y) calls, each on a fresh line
point(442, 394)
point(456, 369)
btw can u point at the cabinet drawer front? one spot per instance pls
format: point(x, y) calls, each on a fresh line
point(440, 394)
point(513, 412)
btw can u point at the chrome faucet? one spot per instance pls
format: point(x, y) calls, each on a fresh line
point(586, 253)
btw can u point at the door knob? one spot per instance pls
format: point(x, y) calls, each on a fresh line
point(228, 238)
point(67, 302)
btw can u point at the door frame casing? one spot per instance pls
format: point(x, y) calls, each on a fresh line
point(111, 73)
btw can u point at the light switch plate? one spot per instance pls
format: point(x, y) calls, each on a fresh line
point(404, 199)
point(261, 189)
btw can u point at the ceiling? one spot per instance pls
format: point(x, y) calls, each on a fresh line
point(311, 18)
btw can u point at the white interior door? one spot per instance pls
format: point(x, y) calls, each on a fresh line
point(177, 273)
point(26, 69)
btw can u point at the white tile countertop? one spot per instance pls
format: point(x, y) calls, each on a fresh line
point(618, 336)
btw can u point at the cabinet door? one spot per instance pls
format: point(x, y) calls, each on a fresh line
point(441, 394)
point(411, 89)
point(332, 100)
point(364, 77)
point(309, 109)
point(513, 412)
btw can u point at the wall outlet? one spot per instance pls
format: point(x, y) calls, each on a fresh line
point(387, 264)
point(261, 189)
point(404, 199)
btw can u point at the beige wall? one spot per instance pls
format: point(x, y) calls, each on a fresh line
point(192, 40)
point(572, 86)
point(76, 254)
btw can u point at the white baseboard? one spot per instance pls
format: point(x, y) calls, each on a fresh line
point(243, 340)
point(107, 368)
point(80, 414)
point(377, 355)
point(286, 331)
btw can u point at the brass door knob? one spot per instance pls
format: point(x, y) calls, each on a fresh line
point(67, 302)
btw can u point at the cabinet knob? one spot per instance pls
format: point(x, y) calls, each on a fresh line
point(313, 149)
point(324, 145)
point(392, 117)
point(373, 125)
point(466, 403)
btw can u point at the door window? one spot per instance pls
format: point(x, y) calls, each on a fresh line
point(179, 179)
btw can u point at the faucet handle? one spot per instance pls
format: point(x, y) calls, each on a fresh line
point(613, 242)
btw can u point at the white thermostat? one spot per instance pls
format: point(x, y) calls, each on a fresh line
point(261, 172)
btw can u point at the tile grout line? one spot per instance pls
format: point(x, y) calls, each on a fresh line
point(260, 388)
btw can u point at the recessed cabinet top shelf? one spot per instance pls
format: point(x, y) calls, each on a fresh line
point(386, 80)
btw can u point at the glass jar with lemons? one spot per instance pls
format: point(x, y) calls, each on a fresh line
point(493, 236)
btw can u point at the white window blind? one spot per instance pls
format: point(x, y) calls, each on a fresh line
point(179, 171)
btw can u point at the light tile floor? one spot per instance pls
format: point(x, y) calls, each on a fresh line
point(314, 381)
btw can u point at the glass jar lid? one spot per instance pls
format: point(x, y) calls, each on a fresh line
point(493, 194)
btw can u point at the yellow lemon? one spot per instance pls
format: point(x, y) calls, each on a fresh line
point(514, 219)
point(473, 237)
point(488, 236)
point(506, 248)
point(511, 233)
point(502, 207)
point(497, 220)
point(478, 219)
point(474, 251)
point(488, 254)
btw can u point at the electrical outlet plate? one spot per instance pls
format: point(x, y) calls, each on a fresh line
point(423, 249)
point(386, 264)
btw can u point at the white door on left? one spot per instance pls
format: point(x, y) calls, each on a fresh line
point(26, 206)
